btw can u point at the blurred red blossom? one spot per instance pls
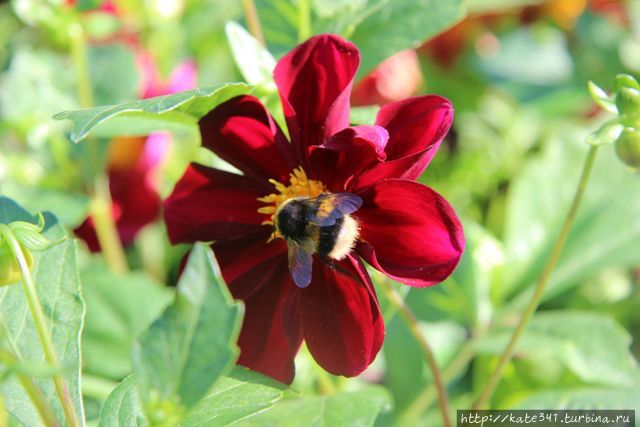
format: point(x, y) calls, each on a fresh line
point(396, 78)
point(133, 161)
point(407, 230)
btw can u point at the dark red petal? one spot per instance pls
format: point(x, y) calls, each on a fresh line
point(242, 132)
point(248, 263)
point(314, 81)
point(341, 319)
point(271, 332)
point(347, 153)
point(409, 232)
point(209, 204)
point(408, 168)
point(416, 128)
point(415, 124)
point(87, 232)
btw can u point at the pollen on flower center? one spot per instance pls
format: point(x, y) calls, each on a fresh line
point(299, 186)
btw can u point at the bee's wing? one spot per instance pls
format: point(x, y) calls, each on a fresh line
point(300, 261)
point(333, 206)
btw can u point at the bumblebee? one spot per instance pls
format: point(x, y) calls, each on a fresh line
point(321, 225)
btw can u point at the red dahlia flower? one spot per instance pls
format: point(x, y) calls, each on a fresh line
point(407, 230)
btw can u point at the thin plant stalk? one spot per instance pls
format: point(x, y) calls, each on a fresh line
point(304, 20)
point(100, 206)
point(253, 20)
point(495, 376)
point(34, 393)
point(40, 323)
point(412, 322)
point(426, 398)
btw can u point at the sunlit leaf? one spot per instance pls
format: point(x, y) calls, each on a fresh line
point(58, 286)
point(591, 346)
point(254, 61)
point(242, 394)
point(193, 343)
point(123, 407)
point(171, 112)
point(359, 408)
point(119, 308)
point(401, 24)
point(605, 233)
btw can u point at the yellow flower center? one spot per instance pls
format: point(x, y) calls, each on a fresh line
point(299, 186)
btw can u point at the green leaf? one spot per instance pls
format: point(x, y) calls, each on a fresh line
point(608, 133)
point(123, 408)
point(601, 98)
point(584, 398)
point(170, 112)
point(255, 63)
point(193, 343)
point(485, 6)
point(114, 73)
point(233, 398)
point(279, 19)
point(536, 56)
point(359, 408)
point(605, 233)
point(401, 24)
point(58, 286)
point(119, 308)
point(592, 346)
point(33, 86)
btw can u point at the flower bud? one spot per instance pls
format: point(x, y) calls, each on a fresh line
point(625, 80)
point(627, 147)
point(9, 268)
point(628, 103)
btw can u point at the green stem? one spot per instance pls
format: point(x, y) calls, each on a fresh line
point(425, 399)
point(304, 20)
point(32, 390)
point(41, 325)
point(412, 322)
point(100, 207)
point(81, 67)
point(494, 378)
point(253, 20)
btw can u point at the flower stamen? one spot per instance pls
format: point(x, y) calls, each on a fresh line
point(299, 186)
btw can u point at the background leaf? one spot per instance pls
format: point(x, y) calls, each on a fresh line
point(119, 308)
point(359, 408)
point(255, 62)
point(233, 398)
point(584, 398)
point(605, 233)
point(193, 343)
point(58, 286)
point(401, 24)
point(593, 347)
point(123, 407)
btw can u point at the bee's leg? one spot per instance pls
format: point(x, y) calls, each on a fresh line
point(338, 268)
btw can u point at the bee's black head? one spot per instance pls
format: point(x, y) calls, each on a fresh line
point(292, 218)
